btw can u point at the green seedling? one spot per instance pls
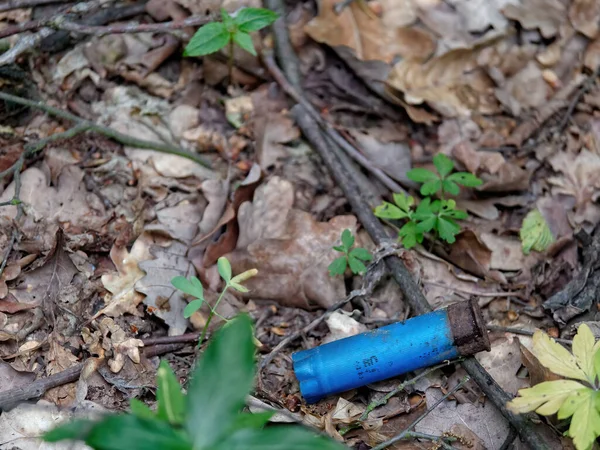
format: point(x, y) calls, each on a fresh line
point(193, 288)
point(209, 417)
point(352, 257)
point(233, 29)
point(431, 215)
point(579, 400)
point(535, 233)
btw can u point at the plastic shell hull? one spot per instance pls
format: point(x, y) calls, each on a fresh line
point(374, 356)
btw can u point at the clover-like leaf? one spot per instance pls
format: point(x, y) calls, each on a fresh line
point(388, 211)
point(254, 19)
point(244, 40)
point(421, 175)
point(555, 357)
point(208, 39)
point(339, 248)
point(447, 229)
point(431, 187)
point(224, 268)
point(465, 179)
point(192, 307)
point(356, 266)
point(361, 253)
point(409, 235)
point(405, 203)
point(443, 164)
point(347, 239)
point(450, 187)
point(535, 233)
point(338, 266)
point(192, 287)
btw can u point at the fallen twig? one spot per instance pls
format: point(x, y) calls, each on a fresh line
point(583, 90)
point(524, 333)
point(406, 432)
point(87, 125)
point(9, 5)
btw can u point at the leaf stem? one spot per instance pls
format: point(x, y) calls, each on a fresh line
point(211, 314)
point(230, 59)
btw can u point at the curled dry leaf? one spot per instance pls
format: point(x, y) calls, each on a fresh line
point(290, 250)
point(119, 343)
point(11, 271)
point(545, 15)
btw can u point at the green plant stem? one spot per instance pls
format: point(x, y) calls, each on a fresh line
point(108, 132)
point(211, 314)
point(230, 59)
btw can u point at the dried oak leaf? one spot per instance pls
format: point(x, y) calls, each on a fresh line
point(119, 343)
point(290, 250)
point(580, 180)
point(545, 15)
point(585, 17)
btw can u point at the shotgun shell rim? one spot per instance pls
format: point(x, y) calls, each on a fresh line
point(468, 328)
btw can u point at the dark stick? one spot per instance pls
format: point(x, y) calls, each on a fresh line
point(9, 5)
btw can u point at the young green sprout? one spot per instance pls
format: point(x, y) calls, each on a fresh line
point(352, 257)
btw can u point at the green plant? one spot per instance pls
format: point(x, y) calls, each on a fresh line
point(352, 257)
point(535, 233)
point(234, 28)
point(437, 215)
point(209, 417)
point(193, 287)
point(579, 400)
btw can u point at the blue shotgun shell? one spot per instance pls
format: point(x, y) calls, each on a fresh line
point(390, 351)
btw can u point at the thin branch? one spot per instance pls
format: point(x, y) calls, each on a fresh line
point(9, 5)
point(524, 333)
point(404, 434)
point(584, 89)
point(24, 44)
point(383, 400)
point(108, 132)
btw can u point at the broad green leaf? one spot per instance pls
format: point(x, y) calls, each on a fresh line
point(585, 423)
point(388, 211)
point(208, 39)
point(254, 19)
point(246, 275)
point(75, 430)
point(409, 235)
point(247, 420)
point(450, 187)
point(238, 287)
point(244, 40)
point(431, 187)
point(361, 253)
point(447, 229)
point(191, 287)
point(171, 401)
point(404, 203)
point(224, 268)
point(465, 179)
point(555, 357)
point(140, 409)
point(535, 233)
point(339, 248)
point(278, 438)
point(421, 175)
point(583, 350)
point(192, 307)
point(443, 164)
point(356, 266)
point(126, 432)
point(220, 383)
point(544, 398)
point(338, 266)
point(347, 239)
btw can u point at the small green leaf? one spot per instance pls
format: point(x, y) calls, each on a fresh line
point(191, 287)
point(535, 233)
point(238, 287)
point(140, 409)
point(421, 175)
point(585, 423)
point(192, 307)
point(447, 229)
point(208, 39)
point(277, 438)
point(427, 224)
point(388, 211)
point(254, 19)
point(338, 266)
point(347, 239)
point(258, 420)
point(409, 235)
point(75, 430)
point(228, 21)
point(339, 248)
point(244, 40)
point(404, 203)
point(171, 401)
point(465, 179)
point(356, 266)
point(545, 398)
point(431, 187)
point(583, 350)
point(224, 269)
point(450, 187)
point(220, 383)
point(443, 164)
point(361, 253)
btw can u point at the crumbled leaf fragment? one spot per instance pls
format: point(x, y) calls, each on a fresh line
point(535, 233)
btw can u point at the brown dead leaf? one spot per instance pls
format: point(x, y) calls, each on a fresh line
point(272, 131)
point(537, 372)
point(10, 306)
point(290, 250)
point(122, 297)
point(119, 343)
point(545, 15)
point(508, 178)
point(585, 17)
point(581, 180)
point(503, 363)
point(525, 90)
point(11, 271)
point(59, 359)
point(591, 58)
point(471, 254)
point(12, 379)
